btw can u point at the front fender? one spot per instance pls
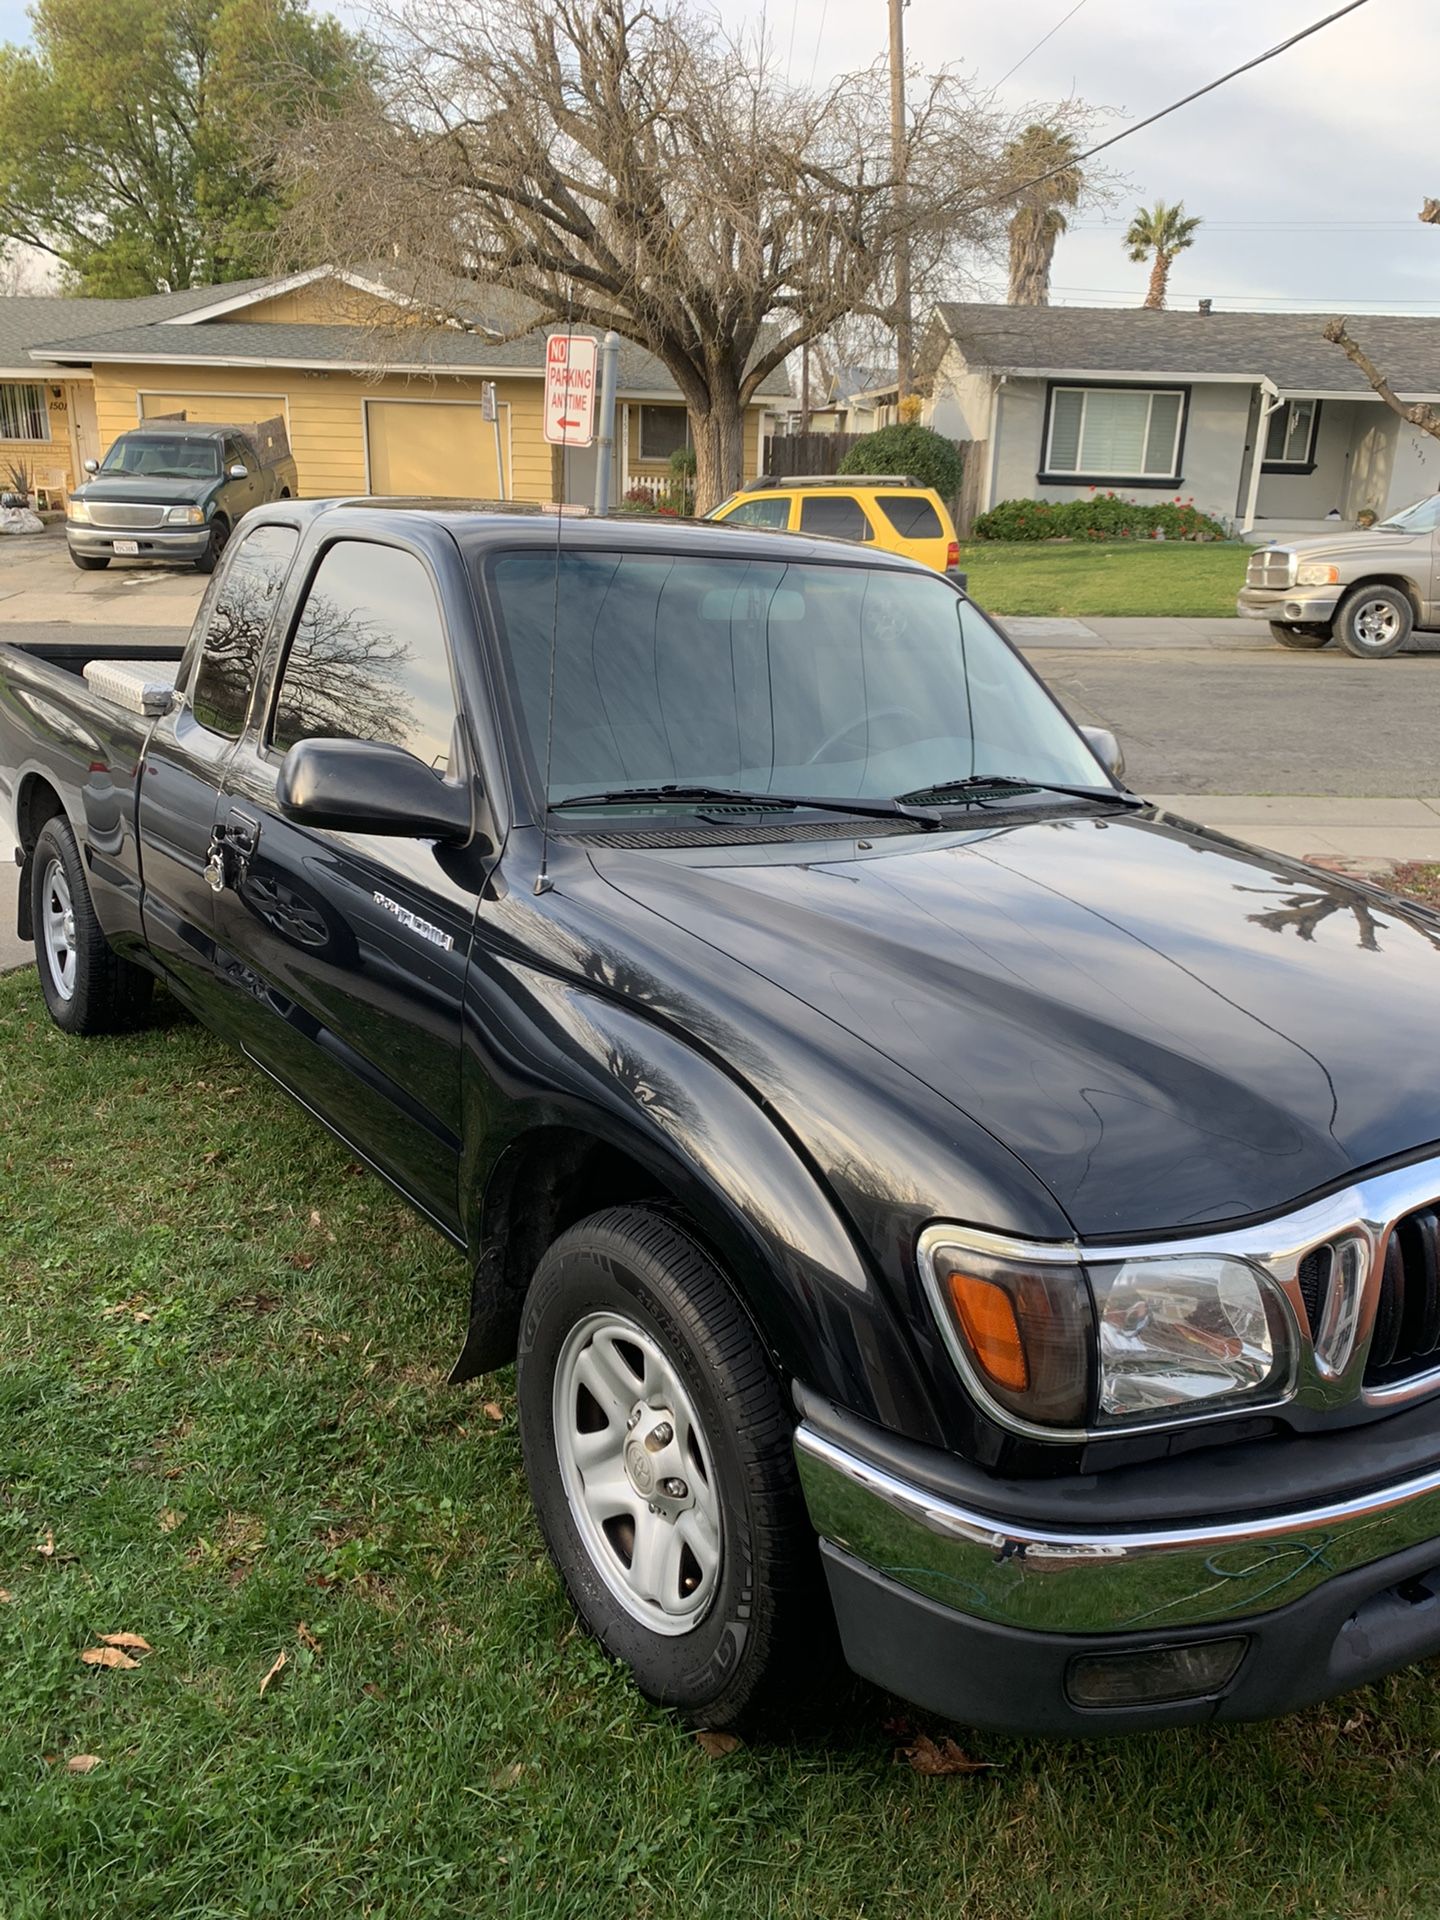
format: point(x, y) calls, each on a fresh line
point(545, 1052)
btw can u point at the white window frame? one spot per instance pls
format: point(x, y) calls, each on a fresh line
point(37, 388)
point(1082, 473)
point(659, 459)
point(1268, 462)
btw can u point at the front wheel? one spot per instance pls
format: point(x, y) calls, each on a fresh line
point(214, 546)
point(1374, 622)
point(88, 988)
point(658, 1447)
point(1304, 636)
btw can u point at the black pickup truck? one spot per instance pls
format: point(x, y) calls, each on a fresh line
point(940, 1204)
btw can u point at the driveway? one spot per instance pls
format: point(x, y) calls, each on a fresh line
point(40, 585)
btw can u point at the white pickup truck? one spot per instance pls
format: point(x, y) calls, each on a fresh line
point(1369, 590)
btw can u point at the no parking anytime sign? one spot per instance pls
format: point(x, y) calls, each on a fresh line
point(570, 385)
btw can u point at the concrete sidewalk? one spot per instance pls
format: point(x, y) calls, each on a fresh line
point(1156, 634)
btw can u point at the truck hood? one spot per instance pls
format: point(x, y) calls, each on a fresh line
point(143, 489)
point(1364, 545)
point(1166, 1027)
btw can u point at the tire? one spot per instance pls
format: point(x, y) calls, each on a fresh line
point(90, 562)
point(1374, 622)
point(88, 988)
point(742, 1631)
point(214, 546)
point(1308, 636)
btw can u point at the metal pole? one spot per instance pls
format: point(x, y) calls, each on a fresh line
point(903, 322)
point(605, 434)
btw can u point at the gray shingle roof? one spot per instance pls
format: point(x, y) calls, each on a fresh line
point(30, 320)
point(1285, 347)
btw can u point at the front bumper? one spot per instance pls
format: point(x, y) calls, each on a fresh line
point(981, 1618)
point(1292, 606)
point(153, 543)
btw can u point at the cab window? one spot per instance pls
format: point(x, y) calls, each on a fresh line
point(841, 517)
point(235, 627)
point(368, 660)
point(760, 513)
point(911, 515)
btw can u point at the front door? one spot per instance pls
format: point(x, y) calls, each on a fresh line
point(355, 946)
point(186, 759)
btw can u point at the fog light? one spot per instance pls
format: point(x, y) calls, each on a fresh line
point(1154, 1674)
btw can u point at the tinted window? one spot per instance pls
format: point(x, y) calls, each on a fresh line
point(238, 617)
point(663, 431)
point(833, 514)
point(912, 517)
point(164, 456)
point(368, 660)
point(799, 678)
point(760, 513)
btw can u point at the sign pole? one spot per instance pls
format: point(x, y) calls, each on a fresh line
point(605, 433)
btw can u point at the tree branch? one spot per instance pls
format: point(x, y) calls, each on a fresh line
point(1416, 414)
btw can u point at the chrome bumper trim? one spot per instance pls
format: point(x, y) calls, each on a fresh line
point(1058, 1581)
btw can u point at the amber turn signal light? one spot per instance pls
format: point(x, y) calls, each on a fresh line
point(987, 1315)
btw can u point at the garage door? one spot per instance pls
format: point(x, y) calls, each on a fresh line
point(216, 409)
point(440, 447)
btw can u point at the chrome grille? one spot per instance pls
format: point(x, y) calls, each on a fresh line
point(117, 513)
point(1407, 1307)
point(1270, 567)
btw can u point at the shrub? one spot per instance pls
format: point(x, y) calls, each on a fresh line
point(934, 460)
point(1098, 516)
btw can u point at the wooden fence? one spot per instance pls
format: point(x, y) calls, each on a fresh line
point(807, 452)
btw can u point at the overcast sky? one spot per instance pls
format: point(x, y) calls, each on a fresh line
point(1309, 172)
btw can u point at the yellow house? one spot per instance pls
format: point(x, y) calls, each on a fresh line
point(378, 398)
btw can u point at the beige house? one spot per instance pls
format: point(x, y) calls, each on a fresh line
point(378, 397)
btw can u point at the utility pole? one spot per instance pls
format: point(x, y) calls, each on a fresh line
point(903, 321)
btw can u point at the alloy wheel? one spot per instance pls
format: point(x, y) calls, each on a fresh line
point(58, 930)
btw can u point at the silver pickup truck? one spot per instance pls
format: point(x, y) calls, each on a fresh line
point(1369, 590)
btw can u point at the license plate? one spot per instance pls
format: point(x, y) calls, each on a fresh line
point(126, 546)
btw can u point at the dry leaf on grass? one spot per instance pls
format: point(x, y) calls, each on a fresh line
point(82, 1762)
point(5, 1595)
point(315, 1219)
point(302, 1262)
point(107, 1657)
point(307, 1638)
point(278, 1664)
point(169, 1519)
point(125, 1640)
point(937, 1757)
point(716, 1744)
point(493, 1410)
point(47, 1545)
point(507, 1776)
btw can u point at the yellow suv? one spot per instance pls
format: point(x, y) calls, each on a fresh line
point(890, 511)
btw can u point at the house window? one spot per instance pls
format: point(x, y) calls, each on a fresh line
point(22, 412)
point(663, 431)
point(1290, 435)
point(1115, 433)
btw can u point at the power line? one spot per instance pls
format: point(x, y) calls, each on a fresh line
point(1259, 60)
point(819, 38)
point(1038, 44)
point(1299, 300)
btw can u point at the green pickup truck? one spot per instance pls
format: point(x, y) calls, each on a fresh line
point(174, 489)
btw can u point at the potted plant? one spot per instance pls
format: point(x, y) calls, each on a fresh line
point(16, 484)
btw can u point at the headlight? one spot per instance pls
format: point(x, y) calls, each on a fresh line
point(184, 516)
point(78, 510)
point(1312, 574)
point(1061, 1343)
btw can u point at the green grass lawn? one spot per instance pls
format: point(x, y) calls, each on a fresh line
point(223, 1413)
point(1168, 578)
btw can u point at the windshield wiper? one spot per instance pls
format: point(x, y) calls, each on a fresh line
point(741, 796)
point(941, 790)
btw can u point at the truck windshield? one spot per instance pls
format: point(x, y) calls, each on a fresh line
point(1423, 517)
point(163, 457)
point(826, 679)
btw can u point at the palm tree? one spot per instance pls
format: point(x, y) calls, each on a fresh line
point(1163, 231)
point(1038, 222)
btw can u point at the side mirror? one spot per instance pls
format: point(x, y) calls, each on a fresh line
point(1106, 749)
point(92, 465)
point(366, 786)
point(237, 472)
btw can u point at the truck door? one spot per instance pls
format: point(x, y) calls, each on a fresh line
point(347, 952)
point(187, 755)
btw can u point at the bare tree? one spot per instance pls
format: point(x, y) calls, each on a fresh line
point(618, 164)
point(1415, 413)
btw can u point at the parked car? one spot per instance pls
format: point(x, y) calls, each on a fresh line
point(174, 490)
point(1369, 590)
point(895, 513)
point(937, 1200)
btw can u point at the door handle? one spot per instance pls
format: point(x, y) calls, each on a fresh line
point(242, 830)
point(230, 848)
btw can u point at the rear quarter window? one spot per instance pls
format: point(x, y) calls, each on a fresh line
point(911, 515)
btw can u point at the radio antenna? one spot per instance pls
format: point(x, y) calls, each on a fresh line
point(543, 881)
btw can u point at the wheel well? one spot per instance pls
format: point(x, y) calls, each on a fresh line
point(544, 1183)
point(36, 801)
point(1395, 580)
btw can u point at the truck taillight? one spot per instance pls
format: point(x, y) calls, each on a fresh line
point(952, 556)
